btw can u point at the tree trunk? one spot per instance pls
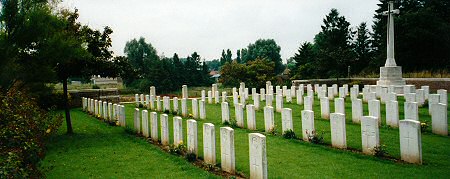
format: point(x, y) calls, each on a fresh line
point(66, 108)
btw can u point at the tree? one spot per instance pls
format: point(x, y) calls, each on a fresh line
point(232, 74)
point(264, 49)
point(414, 52)
point(362, 49)
point(238, 54)
point(304, 62)
point(333, 46)
point(141, 54)
point(45, 46)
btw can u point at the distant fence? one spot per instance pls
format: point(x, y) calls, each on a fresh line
point(434, 83)
point(110, 95)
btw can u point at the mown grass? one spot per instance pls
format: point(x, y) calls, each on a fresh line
point(98, 150)
point(288, 158)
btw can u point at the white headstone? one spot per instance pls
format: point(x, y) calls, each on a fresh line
point(224, 96)
point(286, 120)
point(216, 97)
point(410, 141)
point(251, 117)
point(253, 93)
point(308, 103)
point(426, 90)
point(256, 101)
point(152, 102)
point(288, 96)
point(307, 124)
point(354, 93)
point(262, 92)
point(147, 101)
point(392, 97)
point(145, 130)
point(235, 98)
point(175, 104)
point(258, 156)
point(142, 99)
point(411, 111)
point(339, 105)
point(338, 133)
point(279, 103)
point(392, 114)
point(184, 107)
point(202, 106)
point(203, 95)
point(227, 149)
point(154, 126)
point(442, 96)
point(439, 119)
point(137, 120)
point(357, 110)
point(341, 92)
point(325, 108)
point(166, 103)
point(269, 98)
point(209, 143)
point(330, 93)
point(164, 129)
point(158, 103)
point(185, 91)
point(225, 112)
point(136, 100)
point(268, 118)
point(420, 97)
point(177, 131)
point(192, 138)
point(299, 96)
point(409, 89)
point(432, 99)
point(195, 108)
point(410, 97)
point(370, 134)
point(374, 110)
point(209, 97)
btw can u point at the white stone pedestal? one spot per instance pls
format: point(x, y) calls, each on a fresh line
point(391, 76)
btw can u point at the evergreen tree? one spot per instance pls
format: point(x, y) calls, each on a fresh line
point(362, 49)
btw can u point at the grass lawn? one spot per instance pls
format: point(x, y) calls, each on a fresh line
point(287, 158)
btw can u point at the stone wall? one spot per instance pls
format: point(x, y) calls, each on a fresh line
point(434, 83)
point(109, 95)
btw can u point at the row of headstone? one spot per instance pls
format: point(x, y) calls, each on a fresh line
point(258, 159)
point(103, 110)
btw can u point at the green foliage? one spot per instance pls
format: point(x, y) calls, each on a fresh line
point(273, 131)
point(179, 149)
point(254, 73)
point(414, 52)
point(380, 151)
point(95, 87)
point(314, 137)
point(264, 49)
point(23, 133)
point(142, 68)
point(191, 157)
point(289, 134)
point(424, 126)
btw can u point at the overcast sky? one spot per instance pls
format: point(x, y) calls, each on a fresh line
point(208, 26)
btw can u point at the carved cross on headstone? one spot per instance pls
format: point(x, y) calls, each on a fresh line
point(390, 61)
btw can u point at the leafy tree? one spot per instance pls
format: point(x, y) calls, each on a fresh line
point(304, 62)
point(333, 46)
point(421, 35)
point(213, 64)
point(238, 58)
point(264, 49)
point(362, 48)
point(258, 72)
point(232, 74)
point(141, 54)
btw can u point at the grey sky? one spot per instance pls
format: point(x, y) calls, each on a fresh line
point(208, 26)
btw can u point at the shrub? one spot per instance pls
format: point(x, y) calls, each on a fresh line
point(315, 138)
point(191, 157)
point(289, 134)
point(424, 126)
point(179, 149)
point(24, 130)
point(380, 151)
point(273, 131)
point(95, 87)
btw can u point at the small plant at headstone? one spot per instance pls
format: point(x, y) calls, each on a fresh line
point(273, 131)
point(141, 105)
point(424, 126)
point(191, 157)
point(130, 130)
point(209, 167)
point(190, 116)
point(180, 149)
point(175, 113)
point(166, 112)
point(380, 151)
point(95, 87)
point(233, 123)
point(289, 134)
point(226, 123)
point(314, 137)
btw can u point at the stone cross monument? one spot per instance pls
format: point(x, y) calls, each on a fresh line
point(390, 74)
